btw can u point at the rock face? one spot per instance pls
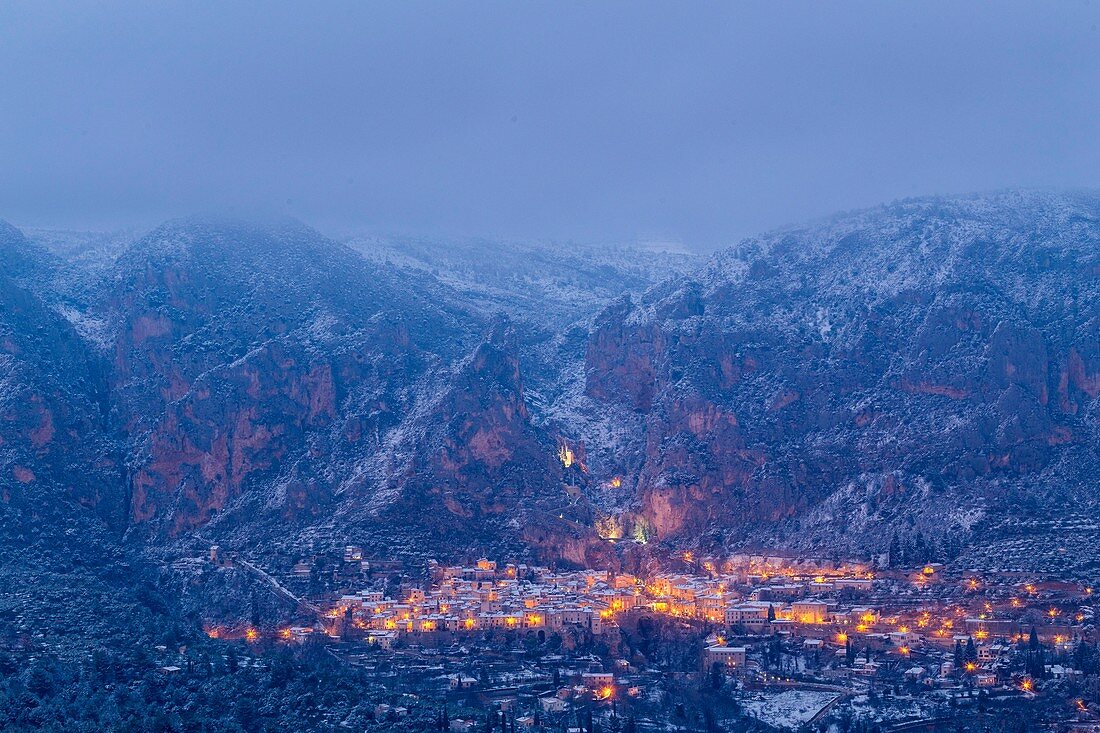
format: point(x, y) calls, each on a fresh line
point(482, 471)
point(899, 379)
point(261, 383)
point(262, 358)
point(892, 375)
point(55, 447)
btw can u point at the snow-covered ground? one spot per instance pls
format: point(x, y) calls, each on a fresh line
point(788, 709)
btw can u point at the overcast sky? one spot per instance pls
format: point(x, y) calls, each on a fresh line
point(680, 121)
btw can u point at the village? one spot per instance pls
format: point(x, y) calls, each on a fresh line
point(776, 641)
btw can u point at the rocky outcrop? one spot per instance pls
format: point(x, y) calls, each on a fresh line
point(483, 465)
point(55, 446)
point(895, 376)
point(928, 346)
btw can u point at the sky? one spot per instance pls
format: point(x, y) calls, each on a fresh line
point(689, 122)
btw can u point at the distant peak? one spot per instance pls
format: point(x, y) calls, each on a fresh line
point(7, 231)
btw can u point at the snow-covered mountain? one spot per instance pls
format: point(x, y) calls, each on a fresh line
point(907, 378)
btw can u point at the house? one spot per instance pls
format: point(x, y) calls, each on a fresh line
point(461, 681)
point(753, 612)
point(384, 639)
point(809, 612)
point(813, 645)
point(598, 680)
point(728, 657)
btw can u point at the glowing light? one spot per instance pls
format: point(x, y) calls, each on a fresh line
point(469, 623)
point(928, 570)
point(251, 635)
point(970, 666)
point(213, 632)
point(903, 650)
point(1053, 613)
point(605, 692)
point(981, 635)
point(841, 637)
point(616, 482)
point(609, 527)
point(565, 455)
point(903, 629)
point(1027, 685)
point(284, 634)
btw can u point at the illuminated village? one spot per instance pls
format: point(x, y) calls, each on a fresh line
point(772, 641)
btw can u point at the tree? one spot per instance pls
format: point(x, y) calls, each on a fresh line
point(231, 662)
point(716, 676)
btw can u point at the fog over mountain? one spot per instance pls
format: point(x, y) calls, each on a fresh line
point(603, 123)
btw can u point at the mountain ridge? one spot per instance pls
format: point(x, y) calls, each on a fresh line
point(264, 381)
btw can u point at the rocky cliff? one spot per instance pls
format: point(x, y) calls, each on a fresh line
point(906, 378)
point(55, 440)
point(893, 377)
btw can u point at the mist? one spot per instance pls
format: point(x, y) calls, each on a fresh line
point(690, 123)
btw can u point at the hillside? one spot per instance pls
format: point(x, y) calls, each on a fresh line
point(909, 377)
point(905, 380)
